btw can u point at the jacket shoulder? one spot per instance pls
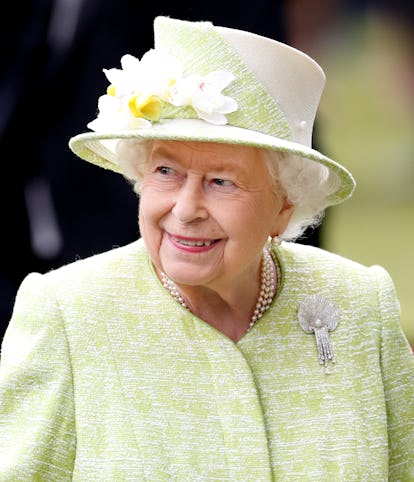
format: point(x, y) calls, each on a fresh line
point(319, 267)
point(318, 258)
point(109, 275)
point(125, 259)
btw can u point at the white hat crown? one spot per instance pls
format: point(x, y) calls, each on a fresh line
point(293, 79)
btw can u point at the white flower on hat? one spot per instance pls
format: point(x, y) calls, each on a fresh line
point(141, 88)
point(162, 72)
point(136, 91)
point(114, 115)
point(154, 74)
point(204, 95)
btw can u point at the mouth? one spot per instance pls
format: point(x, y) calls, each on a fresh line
point(192, 243)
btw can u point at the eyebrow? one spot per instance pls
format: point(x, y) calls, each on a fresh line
point(219, 163)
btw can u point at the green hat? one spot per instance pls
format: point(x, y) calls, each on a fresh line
point(211, 84)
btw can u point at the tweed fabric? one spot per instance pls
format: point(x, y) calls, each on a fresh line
point(104, 377)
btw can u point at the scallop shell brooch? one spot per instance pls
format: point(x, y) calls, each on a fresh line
point(319, 315)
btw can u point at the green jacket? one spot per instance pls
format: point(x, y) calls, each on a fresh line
point(104, 377)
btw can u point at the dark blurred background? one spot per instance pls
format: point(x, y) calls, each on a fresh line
point(57, 208)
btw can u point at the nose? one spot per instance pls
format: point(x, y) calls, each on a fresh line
point(190, 202)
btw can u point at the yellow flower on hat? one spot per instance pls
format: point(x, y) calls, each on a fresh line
point(114, 116)
point(146, 106)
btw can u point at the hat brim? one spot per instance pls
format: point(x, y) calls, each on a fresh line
point(100, 149)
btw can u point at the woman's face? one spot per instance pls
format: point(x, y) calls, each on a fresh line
point(206, 211)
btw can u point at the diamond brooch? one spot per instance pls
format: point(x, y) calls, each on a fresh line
point(319, 315)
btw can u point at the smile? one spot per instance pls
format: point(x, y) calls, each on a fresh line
point(187, 242)
point(193, 243)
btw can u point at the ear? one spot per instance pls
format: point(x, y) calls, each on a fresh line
point(283, 217)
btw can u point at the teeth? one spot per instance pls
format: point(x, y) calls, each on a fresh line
point(187, 242)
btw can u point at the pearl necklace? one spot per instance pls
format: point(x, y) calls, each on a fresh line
point(269, 280)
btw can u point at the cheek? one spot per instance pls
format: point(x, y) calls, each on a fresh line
point(151, 204)
point(260, 210)
point(260, 216)
point(244, 224)
point(154, 207)
point(149, 230)
point(148, 214)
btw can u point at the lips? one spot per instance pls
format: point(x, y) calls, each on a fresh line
point(192, 243)
point(188, 242)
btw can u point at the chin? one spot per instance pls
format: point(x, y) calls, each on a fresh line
point(185, 275)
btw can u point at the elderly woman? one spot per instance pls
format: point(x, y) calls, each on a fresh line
point(214, 347)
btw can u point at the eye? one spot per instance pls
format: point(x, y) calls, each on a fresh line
point(164, 170)
point(223, 182)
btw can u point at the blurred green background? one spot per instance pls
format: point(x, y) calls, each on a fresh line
point(366, 122)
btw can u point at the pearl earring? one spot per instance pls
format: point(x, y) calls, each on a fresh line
point(276, 240)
